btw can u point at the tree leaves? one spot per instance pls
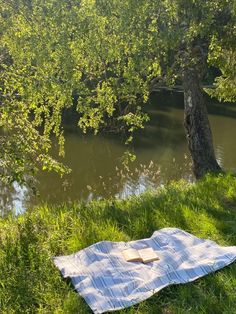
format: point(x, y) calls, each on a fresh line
point(104, 52)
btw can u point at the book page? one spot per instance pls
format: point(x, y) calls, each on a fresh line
point(148, 255)
point(131, 255)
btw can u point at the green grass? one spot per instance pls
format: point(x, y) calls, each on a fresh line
point(30, 283)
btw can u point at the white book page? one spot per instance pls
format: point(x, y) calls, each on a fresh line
point(131, 255)
point(148, 255)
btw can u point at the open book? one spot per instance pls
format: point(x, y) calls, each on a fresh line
point(143, 255)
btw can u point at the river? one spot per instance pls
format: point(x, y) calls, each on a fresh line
point(160, 149)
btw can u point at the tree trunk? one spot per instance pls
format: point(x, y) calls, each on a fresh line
point(197, 126)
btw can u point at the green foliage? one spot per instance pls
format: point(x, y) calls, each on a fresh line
point(105, 52)
point(223, 56)
point(34, 90)
point(30, 283)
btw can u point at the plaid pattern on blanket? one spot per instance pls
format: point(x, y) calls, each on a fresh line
point(107, 282)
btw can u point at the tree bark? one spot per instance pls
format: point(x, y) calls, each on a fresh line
point(197, 126)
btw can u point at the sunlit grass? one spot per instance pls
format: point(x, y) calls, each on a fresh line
point(30, 283)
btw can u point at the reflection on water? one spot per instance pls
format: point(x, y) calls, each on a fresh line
point(13, 199)
point(219, 151)
point(161, 150)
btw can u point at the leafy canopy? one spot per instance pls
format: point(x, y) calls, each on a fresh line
point(106, 52)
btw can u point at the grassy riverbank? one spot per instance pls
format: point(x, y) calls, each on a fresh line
point(29, 282)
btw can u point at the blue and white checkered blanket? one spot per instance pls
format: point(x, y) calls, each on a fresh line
point(107, 282)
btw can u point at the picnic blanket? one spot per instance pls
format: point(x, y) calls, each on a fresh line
point(107, 282)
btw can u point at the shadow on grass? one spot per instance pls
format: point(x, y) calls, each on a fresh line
point(141, 216)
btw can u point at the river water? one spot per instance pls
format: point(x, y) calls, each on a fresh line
point(160, 149)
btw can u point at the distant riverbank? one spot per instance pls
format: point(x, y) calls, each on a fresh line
point(30, 283)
